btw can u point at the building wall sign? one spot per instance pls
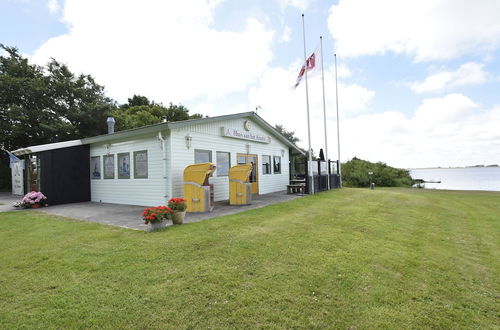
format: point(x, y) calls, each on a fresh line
point(124, 165)
point(95, 167)
point(250, 136)
point(17, 178)
point(141, 164)
point(109, 166)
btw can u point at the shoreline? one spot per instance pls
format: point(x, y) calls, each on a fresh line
point(452, 167)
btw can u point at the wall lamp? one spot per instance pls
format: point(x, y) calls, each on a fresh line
point(189, 139)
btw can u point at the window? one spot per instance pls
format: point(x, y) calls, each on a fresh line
point(223, 163)
point(242, 160)
point(124, 166)
point(141, 164)
point(266, 164)
point(277, 164)
point(202, 156)
point(109, 166)
point(95, 167)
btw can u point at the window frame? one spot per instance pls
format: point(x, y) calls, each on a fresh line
point(270, 165)
point(203, 150)
point(274, 165)
point(217, 162)
point(137, 176)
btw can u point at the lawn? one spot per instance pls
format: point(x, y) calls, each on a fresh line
point(350, 258)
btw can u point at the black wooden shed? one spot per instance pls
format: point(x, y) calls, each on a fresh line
point(59, 170)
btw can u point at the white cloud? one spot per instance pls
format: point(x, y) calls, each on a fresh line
point(285, 37)
point(300, 4)
point(343, 71)
point(424, 30)
point(165, 50)
point(353, 98)
point(444, 110)
point(214, 3)
point(53, 6)
point(467, 74)
point(448, 131)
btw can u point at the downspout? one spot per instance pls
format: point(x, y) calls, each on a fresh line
point(164, 148)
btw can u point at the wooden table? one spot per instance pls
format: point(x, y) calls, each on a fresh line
point(296, 186)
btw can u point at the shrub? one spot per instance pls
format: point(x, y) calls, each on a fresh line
point(355, 174)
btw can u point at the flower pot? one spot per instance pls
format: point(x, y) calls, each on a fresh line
point(157, 225)
point(35, 206)
point(178, 217)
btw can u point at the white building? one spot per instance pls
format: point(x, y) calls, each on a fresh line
point(144, 166)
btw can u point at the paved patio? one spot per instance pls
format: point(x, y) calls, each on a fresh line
point(129, 216)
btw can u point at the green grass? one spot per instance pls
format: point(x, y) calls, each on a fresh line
point(350, 258)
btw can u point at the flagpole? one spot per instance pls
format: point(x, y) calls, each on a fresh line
point(324, 105)
point(309, 169)
point(338, 120)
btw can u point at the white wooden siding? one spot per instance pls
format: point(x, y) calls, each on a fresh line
point(208, 136)
point(147, 192)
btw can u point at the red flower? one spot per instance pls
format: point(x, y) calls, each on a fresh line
point(159, 212)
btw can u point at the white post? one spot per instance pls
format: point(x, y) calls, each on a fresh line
point(324, 107)
point(338, 120)
point(311, 181)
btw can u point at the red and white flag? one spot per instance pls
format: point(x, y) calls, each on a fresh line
point(311, 66)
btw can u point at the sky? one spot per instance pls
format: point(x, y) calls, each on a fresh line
point(418, 81)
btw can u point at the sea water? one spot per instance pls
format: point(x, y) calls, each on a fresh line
point(470, 178)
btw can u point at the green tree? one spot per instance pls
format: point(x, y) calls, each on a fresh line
point(139, 111)
point(290, 135)
point(355, 174)
point(78, 101)
point(136, 100)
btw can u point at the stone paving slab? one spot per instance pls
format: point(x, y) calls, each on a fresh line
point(6, 201)
point(129, 216)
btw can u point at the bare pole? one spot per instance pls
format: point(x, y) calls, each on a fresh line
point(338, 120)
point(311, 183)
point(324, 105)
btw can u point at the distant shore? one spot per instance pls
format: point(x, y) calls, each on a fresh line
point(452, 167)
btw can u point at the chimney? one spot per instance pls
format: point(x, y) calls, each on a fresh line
point(111, 125)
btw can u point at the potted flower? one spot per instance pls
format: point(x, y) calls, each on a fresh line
point(157, 216)
point(32, 200)
point(178, 205)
